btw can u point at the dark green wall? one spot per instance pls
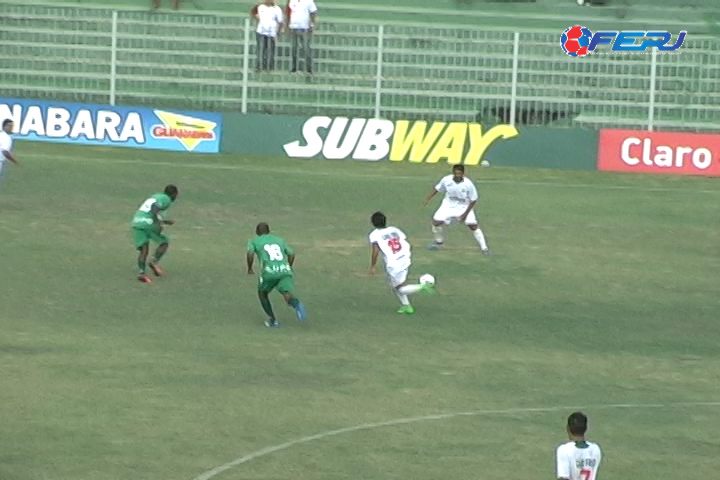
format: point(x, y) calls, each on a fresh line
point(531, 147)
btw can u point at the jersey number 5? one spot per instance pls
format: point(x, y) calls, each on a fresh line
point(395, 245)
point(274, 252)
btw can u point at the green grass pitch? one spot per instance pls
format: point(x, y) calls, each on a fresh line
point(603, 291)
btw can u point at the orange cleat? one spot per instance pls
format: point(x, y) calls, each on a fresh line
point(156, 269)
point(145, 279)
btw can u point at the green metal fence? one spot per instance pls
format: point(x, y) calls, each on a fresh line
point(394, 70)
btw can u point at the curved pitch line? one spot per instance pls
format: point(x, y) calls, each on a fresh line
point(442, 416)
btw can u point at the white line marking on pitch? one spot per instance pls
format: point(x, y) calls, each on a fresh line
point(442, 416)
point(249, 168)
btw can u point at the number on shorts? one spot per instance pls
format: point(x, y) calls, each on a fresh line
point(586, 474)
point(274, 252)
point(147, 206)
point(395, 245)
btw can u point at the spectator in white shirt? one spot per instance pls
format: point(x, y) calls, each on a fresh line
point(269, 19)
point(6, 145)
point(302, 20)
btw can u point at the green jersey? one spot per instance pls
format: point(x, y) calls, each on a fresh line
point(143, 217)
point(272, 252)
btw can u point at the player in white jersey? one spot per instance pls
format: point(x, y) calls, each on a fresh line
point(578, 459)
point(458, 205)
point(396, 251)
point(6, 146)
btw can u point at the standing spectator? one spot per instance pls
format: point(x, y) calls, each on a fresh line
point(269, 19)
point(302, 20)
point(175, 4)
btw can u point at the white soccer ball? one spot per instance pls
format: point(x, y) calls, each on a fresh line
point(581, 2)
point(484, 163)
point(427, 279)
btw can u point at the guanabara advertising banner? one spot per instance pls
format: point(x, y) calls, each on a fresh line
point(409, 141)
point(137, 127)
point(659, 152)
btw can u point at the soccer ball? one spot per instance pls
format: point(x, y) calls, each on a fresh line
point(427, 279)
point(484, 163)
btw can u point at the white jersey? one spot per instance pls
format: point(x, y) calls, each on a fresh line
point(5, 144)
point(578, 461)
point(457, 194)
point(269, 19)
point(393, 245)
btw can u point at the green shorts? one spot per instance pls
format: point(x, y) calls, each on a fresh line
point(142, 236)
point(283, 283)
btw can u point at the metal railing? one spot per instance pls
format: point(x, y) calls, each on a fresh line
point(394, 70)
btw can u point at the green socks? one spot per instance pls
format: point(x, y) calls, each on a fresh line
point(142, 267)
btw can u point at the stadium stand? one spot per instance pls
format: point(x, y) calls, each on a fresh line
point(436, 60)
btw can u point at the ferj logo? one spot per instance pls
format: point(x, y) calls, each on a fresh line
point(579, 41)
point(189, 131)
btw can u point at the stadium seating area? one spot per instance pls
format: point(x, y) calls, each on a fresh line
point(438, 60)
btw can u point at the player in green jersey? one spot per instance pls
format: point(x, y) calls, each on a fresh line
point(276, 260)
point(147, 224)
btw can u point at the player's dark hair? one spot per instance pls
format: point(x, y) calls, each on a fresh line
point(577, 423)
point(262, 228)
point(459, 168)
point(7, 122)
point(171, 190)
point(379, 220)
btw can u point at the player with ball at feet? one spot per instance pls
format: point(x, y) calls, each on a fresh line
point(393, 245)
point(460, 199)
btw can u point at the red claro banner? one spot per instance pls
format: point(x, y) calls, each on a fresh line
point(671, 153)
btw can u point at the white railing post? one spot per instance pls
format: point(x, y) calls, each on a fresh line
point(653, 79)
point(513, 88)
point(113, 57)
point(378, 70)
point(246, 66)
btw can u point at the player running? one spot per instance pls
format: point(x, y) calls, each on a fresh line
point(147, 224)
point(6, 142)
point(393, 244)
point(458, 204)
point(578, 459)
point(276, 261)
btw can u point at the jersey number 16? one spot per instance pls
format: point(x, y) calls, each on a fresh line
point(395, 245)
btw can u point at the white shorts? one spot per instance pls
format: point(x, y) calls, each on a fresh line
point(448, 214)
point(397, 274)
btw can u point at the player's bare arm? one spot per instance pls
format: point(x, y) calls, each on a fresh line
point(374, 255)
point(10, 157)
point(250, 257)
point(430, 196)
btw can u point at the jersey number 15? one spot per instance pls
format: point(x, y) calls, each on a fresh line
point(395, 245)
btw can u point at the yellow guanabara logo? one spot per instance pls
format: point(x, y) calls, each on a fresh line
point(189, 131)
point(417, 142)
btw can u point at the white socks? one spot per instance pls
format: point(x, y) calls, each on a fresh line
point(409, 289)
point(403, 298)
point(480, 238)
point(438, 234)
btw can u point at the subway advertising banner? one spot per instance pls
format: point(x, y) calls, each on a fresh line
point(673, 153)
point(139, 127)
point(415, 142)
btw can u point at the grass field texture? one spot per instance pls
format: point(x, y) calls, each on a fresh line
point(603, 290)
